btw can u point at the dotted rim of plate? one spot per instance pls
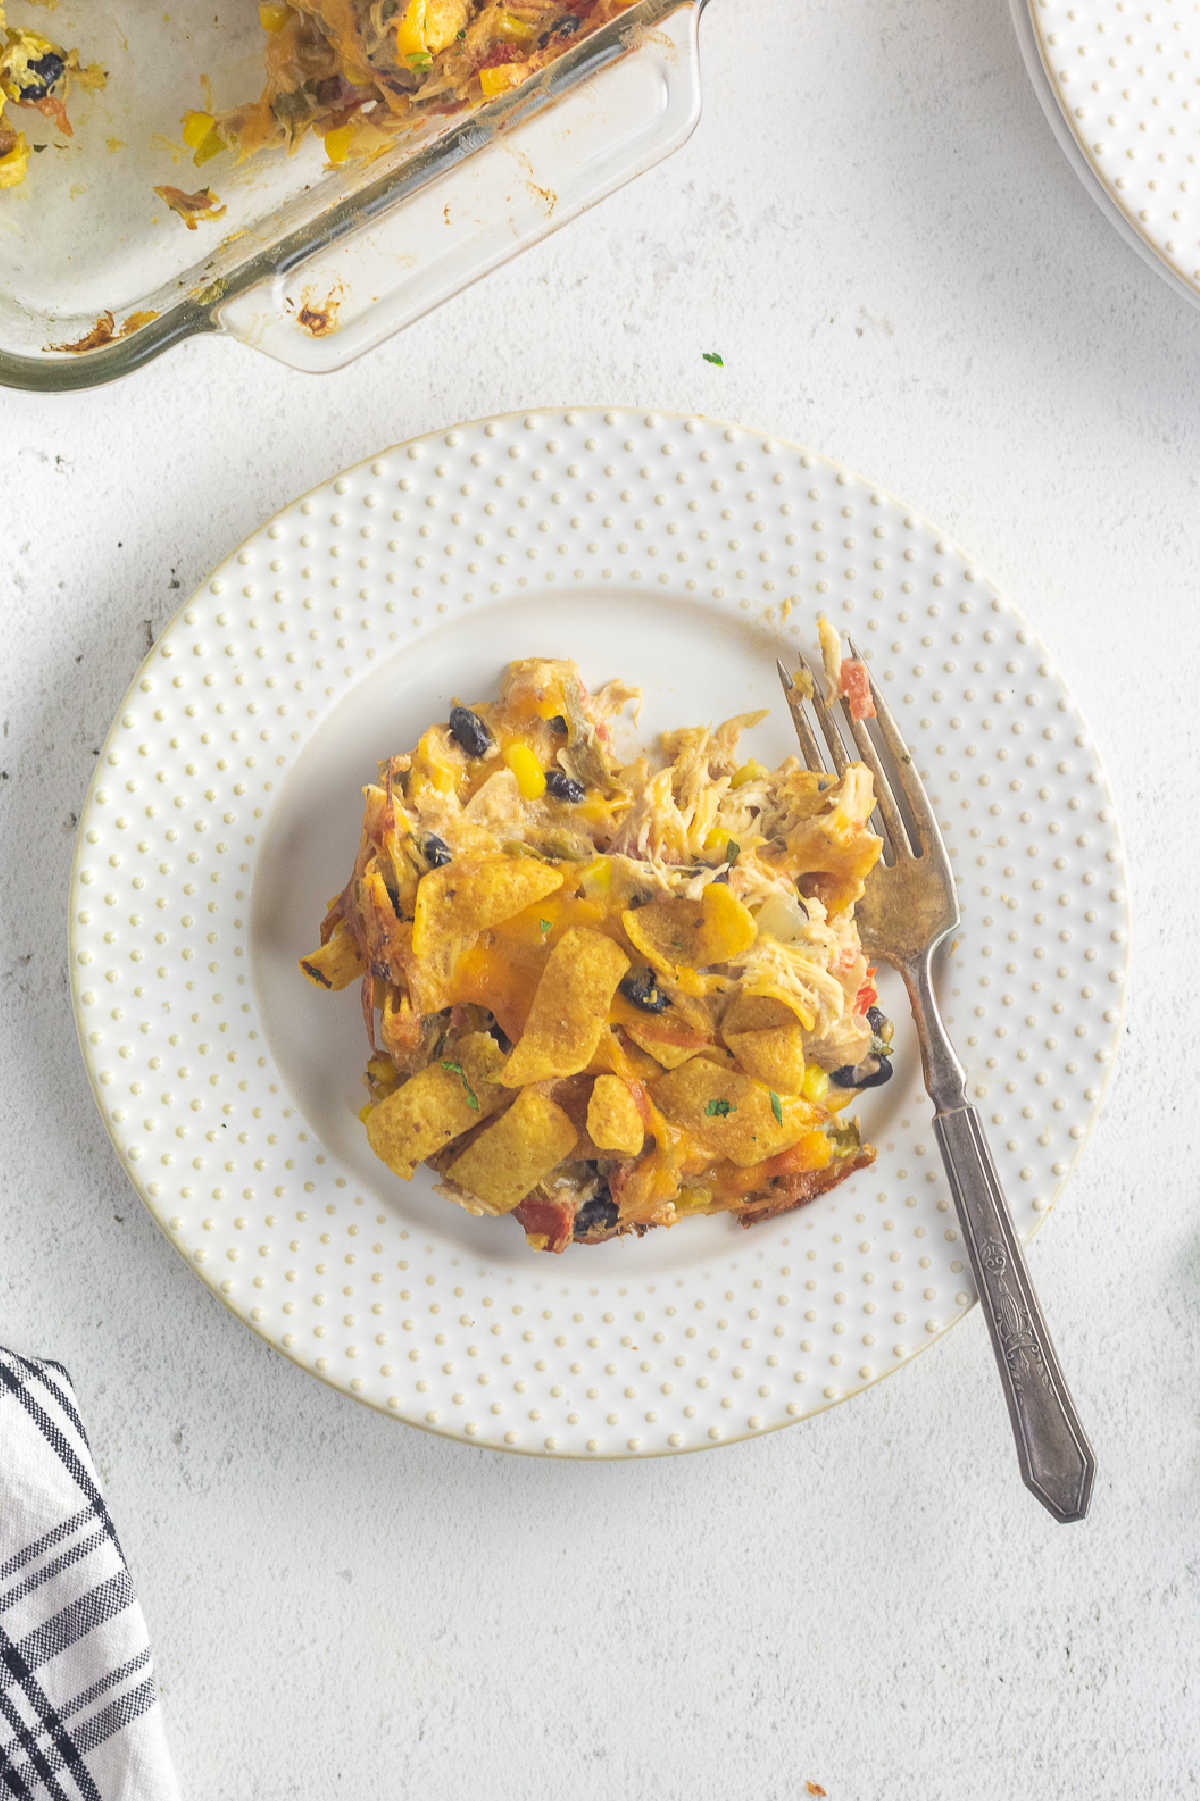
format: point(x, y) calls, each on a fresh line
point(588, 1421)
point(1109, 163)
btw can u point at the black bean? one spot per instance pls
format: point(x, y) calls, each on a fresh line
point(558, 724)
point(882, 1032)
point(641, 987)
point(468, 729)
point(437, 851)
point(599, 1214)
point(564, 787)
point(47, 69)
point(872, 1072)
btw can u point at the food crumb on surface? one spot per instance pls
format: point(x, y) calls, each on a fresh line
point(191, 208)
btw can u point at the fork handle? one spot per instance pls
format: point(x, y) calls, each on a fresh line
point(1057, 1462)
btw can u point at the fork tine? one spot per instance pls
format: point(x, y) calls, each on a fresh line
point(894, 832)
point(925, 826)
point(833, 737)
point(808, 744)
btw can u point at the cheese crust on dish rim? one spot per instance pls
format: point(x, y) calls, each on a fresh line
point(604, 996)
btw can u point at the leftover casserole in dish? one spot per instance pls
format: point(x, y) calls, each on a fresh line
point(603, 995)
point(33, 73)
point(357, 71)
point(97, 275)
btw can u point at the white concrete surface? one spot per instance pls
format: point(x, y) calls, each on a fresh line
point(875, 229)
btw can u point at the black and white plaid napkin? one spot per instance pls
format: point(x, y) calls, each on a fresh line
point(80, 1718)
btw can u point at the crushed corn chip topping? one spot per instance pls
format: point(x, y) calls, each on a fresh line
point(604, 995)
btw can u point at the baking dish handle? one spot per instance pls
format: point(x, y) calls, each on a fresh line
point(345, 298)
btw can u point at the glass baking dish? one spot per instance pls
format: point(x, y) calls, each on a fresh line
point(309, 263)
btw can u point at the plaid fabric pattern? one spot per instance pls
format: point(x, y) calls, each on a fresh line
point(79, 1714)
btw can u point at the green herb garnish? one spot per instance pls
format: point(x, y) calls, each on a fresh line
point(456, 1069)
point(419, 59)
point(733, 851)
point(776, 1106)
point(711, 356)
point(719, 1108)
point(544, 926)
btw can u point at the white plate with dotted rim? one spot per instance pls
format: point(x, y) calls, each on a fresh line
point(683, 554)
point(1120, 86)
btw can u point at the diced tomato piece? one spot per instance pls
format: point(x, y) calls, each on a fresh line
point(51, 107)
point(498, 55)
point(855, 684)
point(867, 995)
point(550, 1218)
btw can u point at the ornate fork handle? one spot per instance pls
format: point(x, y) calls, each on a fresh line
point(1057, 1462)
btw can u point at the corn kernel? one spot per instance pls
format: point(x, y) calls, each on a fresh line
point(365, 1111)
point(753, 771)
point(337, 143)
point(212, 146)
point(196, 127)
point(597, 877)
point(500, 79)
point(815, 1085)
point(273, 15)
point(531, 777)
point(410, 30)
point(513, 30)
point(14, 163)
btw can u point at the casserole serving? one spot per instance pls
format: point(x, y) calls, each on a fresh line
point(604, 996)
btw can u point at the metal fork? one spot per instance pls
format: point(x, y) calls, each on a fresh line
point(909, 907)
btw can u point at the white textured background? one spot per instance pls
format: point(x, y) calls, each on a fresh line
point(874, 226)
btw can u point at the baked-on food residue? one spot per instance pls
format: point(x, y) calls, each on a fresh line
point(34, 73)
point(358, 71)
point(318, 314)
point(105, 331)
point(603, 996)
